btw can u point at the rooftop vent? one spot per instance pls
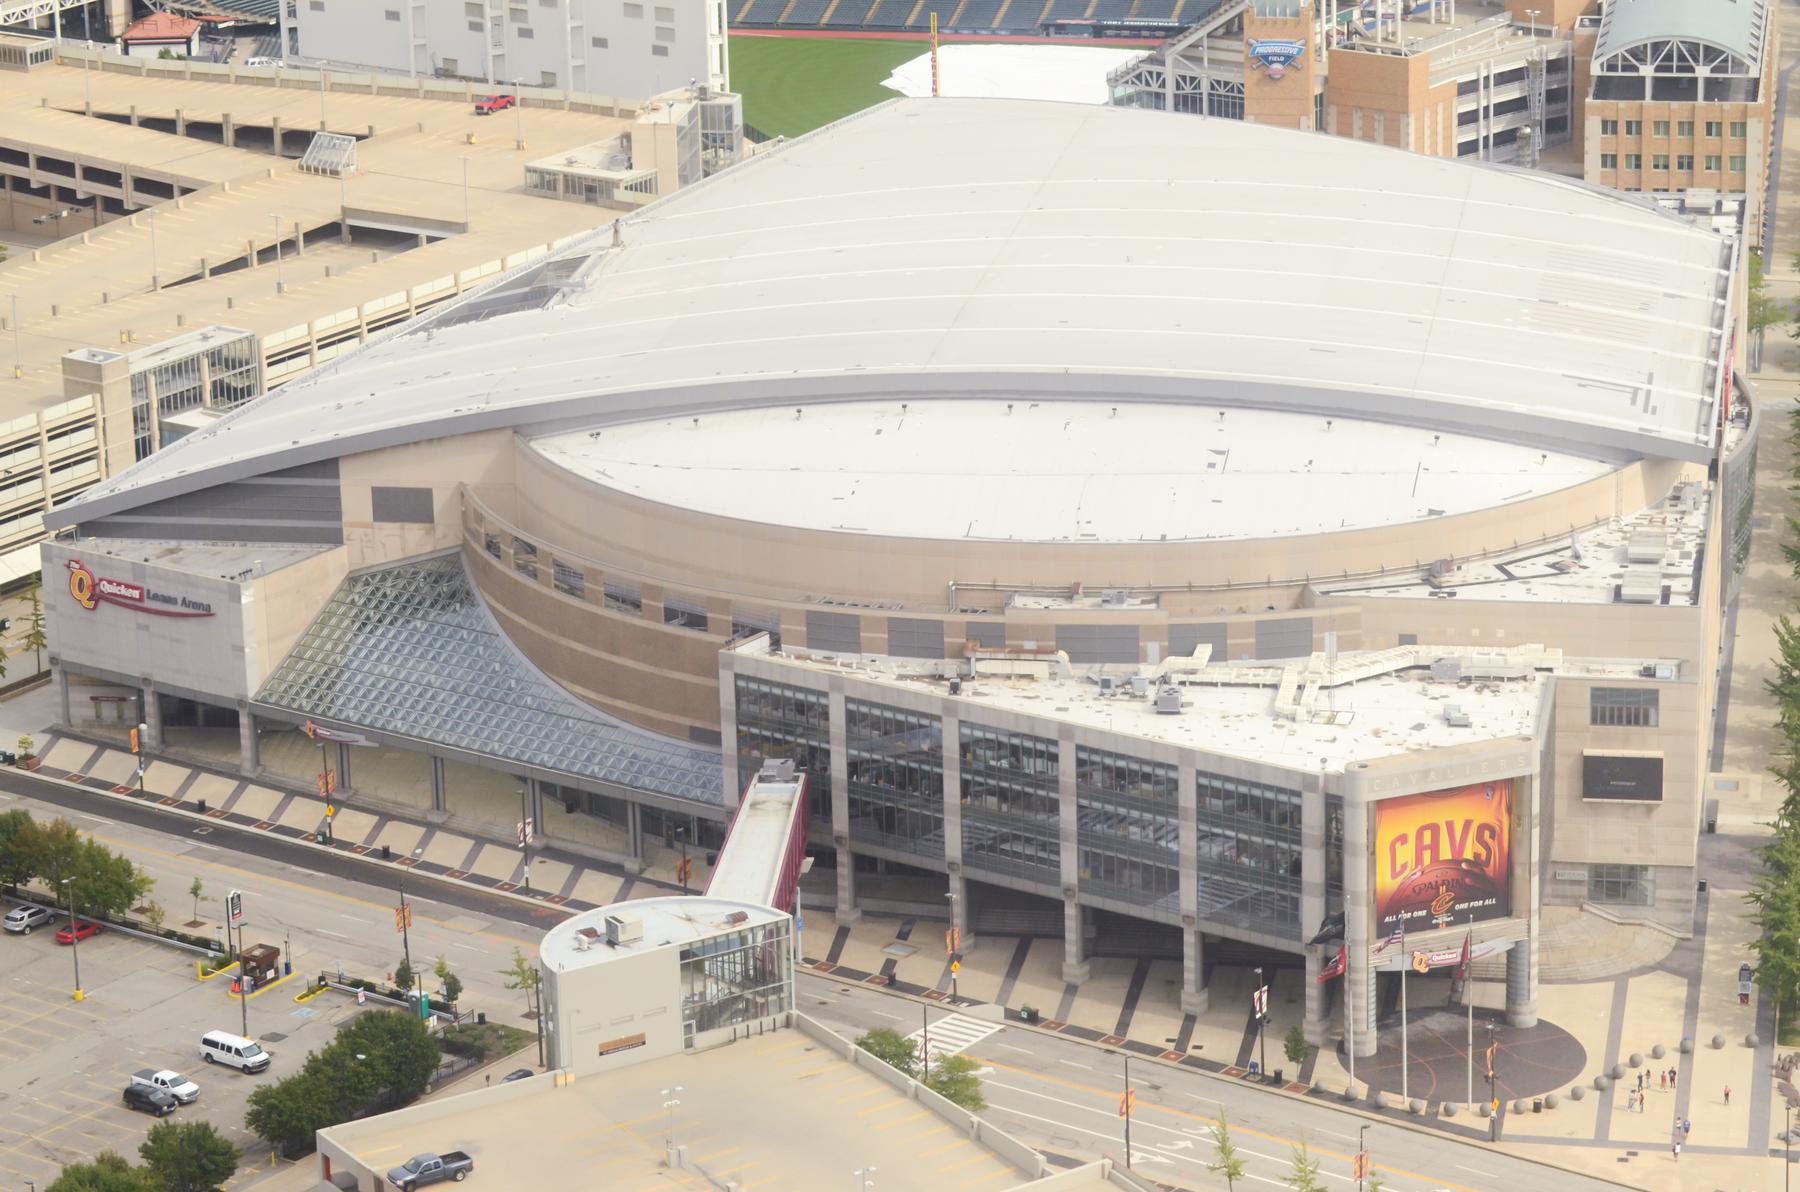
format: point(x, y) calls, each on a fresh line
point(1140, 685)
point(624, 929)
point(1446, 670)
point(1168, 701)
point(1455, 717)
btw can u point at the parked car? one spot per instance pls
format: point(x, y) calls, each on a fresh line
point(487, 105)
point(262, 62)
point(428, 1168)
point(80, 930)
point(219, 1047)
point(172, 1083)
point(22, 918)
point(520, 1074)
point(149, 1100)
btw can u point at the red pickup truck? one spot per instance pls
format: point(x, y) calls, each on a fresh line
point(487, 105)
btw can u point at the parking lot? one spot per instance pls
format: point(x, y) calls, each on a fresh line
point(63, 1063)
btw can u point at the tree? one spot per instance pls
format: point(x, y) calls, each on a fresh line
point(108, 1172)
point(1294, 1045)
point(397, 1048)
point(197, 889)
point(15, 851)
point(1228, 1164)
point(155, 915)
point(1305, 1176)
point(190, 1157)
point(522, 975)
point(1763, 308)
point(891, 1048)
point(403, 975)
point(35, 640)
point(289, 1112)
point(55, 852)
point(953, 1078)
point(448, 981)
point(109, 884)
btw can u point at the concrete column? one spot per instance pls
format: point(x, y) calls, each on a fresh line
point(847, 911)
point(1193, 970)
point(61, 678)
point(953, 840)
point(1359, 978)
point(440, 806)
point(227, 130)
point(249, 752)
point(534, 805)
point(152, 710)
point(634, 824)
point(1075, 964)
point(275, 135)
point(343, 770)
point(1522, 960)
point(1312, 904)
point(728, 747)
point(299, 239)
point(180, 123)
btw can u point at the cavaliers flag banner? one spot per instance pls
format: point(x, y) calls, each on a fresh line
point(1444, 857)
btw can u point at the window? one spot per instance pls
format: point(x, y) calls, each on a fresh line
point(1634, 128)
point(623, 598)
point(634, 11)
point(659, 51)
point(1634, 161)
point(1740, 128)
point(1659, 161)
point(1684, 161)
point(1622, 885)
point(684, 612)
point(1609, 161)
point(1659, 128)
point(393, 14)
point(1609, 128)
point(1737, 163)
point(665, 33)
point(1684, 128)
point(568, 580)
point(476, 27)
point(1714, 161)
point(546, 78)
point(665, 15)
point(317, 5)
point(1714, 128)
point(491, 544)
point(525, 32)
point(1623, 707)
point(599, 42)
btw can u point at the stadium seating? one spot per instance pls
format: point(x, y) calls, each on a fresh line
point(1156, 10)
point(1112, 10)
point(958, 16)
point(888, 14)
point(1021, 16)
point(1067, 10)
point(761, 13)
point(805, 13)
point(978, 15)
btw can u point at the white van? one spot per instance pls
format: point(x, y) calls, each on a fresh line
point(217, 1047)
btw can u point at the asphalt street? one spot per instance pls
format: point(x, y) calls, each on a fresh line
point(1056, 1094)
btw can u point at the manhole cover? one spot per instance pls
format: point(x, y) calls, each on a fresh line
point(202, 831)
point(274, 1036)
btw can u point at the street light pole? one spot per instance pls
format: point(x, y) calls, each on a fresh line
point(925, 1043)
point(956, 945)
point(18, 349)
point(405, 922)
point(1128, 1108)
point(862, 1174)
point(1262, 1043)
point(155, 273)
point(279, 287)
point(1787, 1141)
point(1493, 1100)
point(671, 1099)
point(74, 938)
point(518, 116)
point(1362, 1154)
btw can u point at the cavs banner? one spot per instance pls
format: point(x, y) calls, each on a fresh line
point(1443, 857)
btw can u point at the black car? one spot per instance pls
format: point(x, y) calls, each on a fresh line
point(521, 1074)
point(149, 1100)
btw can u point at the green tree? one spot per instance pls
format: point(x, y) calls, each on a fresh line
point(55, 852)
point(35, 639)
point(1294, 1045)
point(1763, 308)
point(1227, 1163)
point(448, 981)
point(403, 974)
point(523, 975)
point(15, 848)
point(1305, 1176)
point(953, 1078)
point(197, 889)
point(289, 1112)
point(107, 883)
point(107, 1172)
point(189, 1157)
point(398, 1048)
point(891, 1048)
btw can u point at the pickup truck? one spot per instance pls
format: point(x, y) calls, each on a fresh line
point(428, 1168)
point(172, 1083)
point(487, 105)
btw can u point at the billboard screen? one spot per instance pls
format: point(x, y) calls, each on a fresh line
point(1443, 857)
point(1617, 776)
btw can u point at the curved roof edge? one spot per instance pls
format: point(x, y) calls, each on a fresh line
point(1737, 27)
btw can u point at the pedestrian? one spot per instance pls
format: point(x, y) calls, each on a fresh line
point(1727, 1094)
point(1662, 1079)
point(1674, 1077)
point(1678, 1152)
point(1687, 1127)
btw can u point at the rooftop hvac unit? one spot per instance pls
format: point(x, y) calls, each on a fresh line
point(1112, 598)
point(1140, 685)
point(1107, 682)
point(1168, 701)
point(1643, 586)
point(1646, 546)
point(1455, 717)
point(1446, 670)
point(624, 929)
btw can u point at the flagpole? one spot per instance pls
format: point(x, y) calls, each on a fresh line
point(1405, 1063)
point(1469, 1004)
point(1350, 1010)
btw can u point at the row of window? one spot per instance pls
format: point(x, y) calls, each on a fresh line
point(1683, 161)
point(683, 612)
point(1624, 707)
point(1683, 128)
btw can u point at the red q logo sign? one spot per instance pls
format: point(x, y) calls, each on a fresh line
point(81, 585)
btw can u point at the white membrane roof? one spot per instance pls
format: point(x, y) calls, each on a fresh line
point(973, 247)
point(1058, 471)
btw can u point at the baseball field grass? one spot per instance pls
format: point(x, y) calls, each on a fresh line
point(793, 85)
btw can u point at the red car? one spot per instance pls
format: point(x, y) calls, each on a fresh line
point(85, 929)
point(487, 105)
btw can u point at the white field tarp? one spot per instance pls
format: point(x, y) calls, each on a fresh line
point(1073, 74)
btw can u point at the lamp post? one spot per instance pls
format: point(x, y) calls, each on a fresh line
point(955, 944)
point(74, 938)
point(671, 1101)
point(862, 1174)
point(18, 350)
point(1533, 14)
point(465, 161)
point(1493, 1100)
point(925, 1043)
point(279, 287)
point(155, 273)
point(518, 117)
point(1362, 1155)
point(1787, 1142)
point(1262, 1016)
point(1127, 1104)
point(406, 917)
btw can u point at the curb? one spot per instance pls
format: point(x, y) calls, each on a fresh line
point(1331, 1102)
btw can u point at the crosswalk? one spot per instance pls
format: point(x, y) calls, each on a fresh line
point(953, 1033)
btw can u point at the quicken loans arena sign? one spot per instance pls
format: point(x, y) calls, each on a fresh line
point(90, 591)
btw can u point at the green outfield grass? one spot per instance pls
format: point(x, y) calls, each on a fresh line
point(793, 85)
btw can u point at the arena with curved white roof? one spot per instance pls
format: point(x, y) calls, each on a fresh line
point(1060, 402)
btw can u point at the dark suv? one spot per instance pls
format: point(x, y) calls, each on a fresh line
point(149, 1100)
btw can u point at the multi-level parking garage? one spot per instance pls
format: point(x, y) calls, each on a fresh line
point(1131, 521)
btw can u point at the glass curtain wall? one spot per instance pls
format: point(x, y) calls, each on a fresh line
point(1249, 854)
point(776, 720)
point(1011, 823)
point(735, 978)
point(896, 764)
point(1129, 829)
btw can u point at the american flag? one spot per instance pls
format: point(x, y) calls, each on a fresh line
point(1399, 936)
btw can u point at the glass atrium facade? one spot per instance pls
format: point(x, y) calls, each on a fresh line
point(739, 977)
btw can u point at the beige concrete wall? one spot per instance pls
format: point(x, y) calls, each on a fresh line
point(1286, 102)
point(282, 606)
point(442, 465)
point(1583, 630)
point(1610, 831)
